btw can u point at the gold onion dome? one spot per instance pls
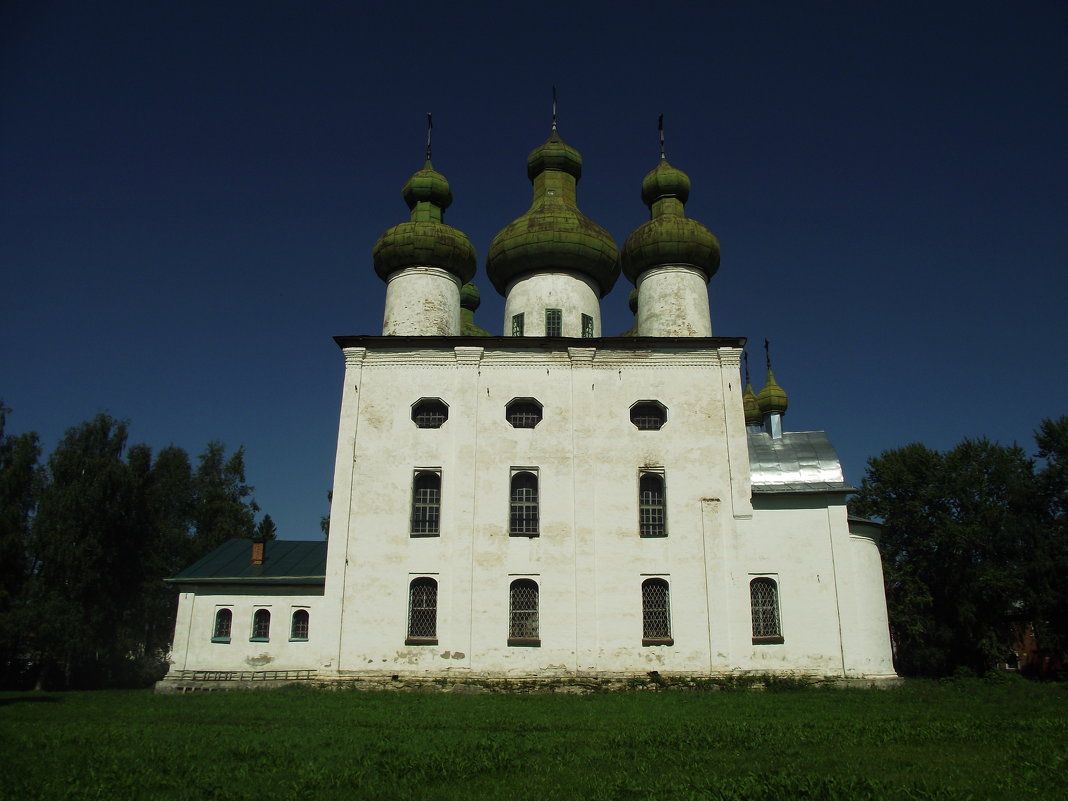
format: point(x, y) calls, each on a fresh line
point(772, 398)
point(669, 237)
point(425, 240)
point(751, 406)
point(553, 234)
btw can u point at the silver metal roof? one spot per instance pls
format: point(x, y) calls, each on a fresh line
point(801, 461)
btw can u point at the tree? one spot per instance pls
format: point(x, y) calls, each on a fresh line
point(223, 507)
point(266, 529)
point(20, 480)
point(85, 554)
point(324, 521)
point(1046, 579)
point(960, 532)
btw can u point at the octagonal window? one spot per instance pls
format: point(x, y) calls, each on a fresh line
point(523, 413)
point(648, 415)
point(430, 412)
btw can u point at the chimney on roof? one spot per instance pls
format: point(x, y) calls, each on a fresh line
point(257, 551)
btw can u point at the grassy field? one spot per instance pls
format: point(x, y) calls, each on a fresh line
point(956, 740)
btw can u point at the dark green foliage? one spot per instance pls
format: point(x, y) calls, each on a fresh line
point(85, 544)
point(964, 551)
point(266, 529)
point(956, 740)
point(20, 481)
point(224, 508)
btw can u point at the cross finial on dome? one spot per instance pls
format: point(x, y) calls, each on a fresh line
point(554, 107)
point(767, 351)
point(745, 357)
point(661, 127)
point(429, 131)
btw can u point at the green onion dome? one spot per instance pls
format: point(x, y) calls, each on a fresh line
point(425, 240)
point(632, 303)
point(553, 234)
point(772, 398)
point(750, 406)
point(470, 299)
point(669, 237)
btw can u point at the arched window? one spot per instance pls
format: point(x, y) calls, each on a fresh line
point(426, 503)
point(422, 612)
point(224, 620)
point(764, 598)
point(656, 613)
point(524, 505)
point(651, 516)
point(261, 625)
point(299, 629)
point(523, 613)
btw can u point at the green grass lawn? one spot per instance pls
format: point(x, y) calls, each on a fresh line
point(956, 740)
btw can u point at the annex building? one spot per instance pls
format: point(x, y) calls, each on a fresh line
point(553, 502)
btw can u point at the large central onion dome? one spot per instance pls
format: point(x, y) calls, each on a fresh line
point(669, 237)
point(553, 234)
point(425, 241)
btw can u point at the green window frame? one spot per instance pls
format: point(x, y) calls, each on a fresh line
point(587, 326)
point(554, 322)
point(517, 324)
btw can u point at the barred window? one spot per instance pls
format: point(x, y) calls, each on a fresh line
point(554, 322)
point(656, 613)
point(524, 505)
point(648, 415)
point(651, 514)
point(523, 413)
point(224, 620)
point(426, 503)
point(517, 325)
point(430, 413)
point(764, 597)
point(587, 326)
point(523, 613)
point(299, 628)
point(422, 612)
point(261, 625)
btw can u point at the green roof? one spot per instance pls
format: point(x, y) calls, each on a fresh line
point(284, 562)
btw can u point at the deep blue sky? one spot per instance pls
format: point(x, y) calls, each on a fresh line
point(190, 192)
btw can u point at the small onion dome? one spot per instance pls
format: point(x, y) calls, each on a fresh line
point(553, 234)
point(425, 240)
point(750, 406)
point(469, 301)
point(772, 397)
point(669, 237)
point(632, 303)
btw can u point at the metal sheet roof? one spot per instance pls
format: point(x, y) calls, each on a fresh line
point(801, 461)
point(284, 562)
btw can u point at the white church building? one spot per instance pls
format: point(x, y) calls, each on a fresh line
point(553, 503)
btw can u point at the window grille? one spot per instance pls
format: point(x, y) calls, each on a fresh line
point(764, 598)
point(299, 629)
point(524, 504)
point(587, 326)
point(523, 613)
point(430, 413)
point(261, 625)
point(648, 416)
point(422, 611)
point(523, 414)
point(651, 515)
point(426, 503)
point(517, 325)
point(224, 619)
point(554, 322)
point(656, 613)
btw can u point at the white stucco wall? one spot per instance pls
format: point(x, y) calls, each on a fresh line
point(533, 293)
point(422, 301)
point(193, 648)
point(673, 302)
